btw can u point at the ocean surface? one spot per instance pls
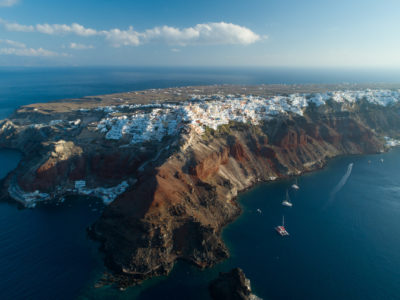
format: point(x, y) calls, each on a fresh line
point(344, 225)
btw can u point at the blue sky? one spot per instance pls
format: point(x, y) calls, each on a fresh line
point(291, 33)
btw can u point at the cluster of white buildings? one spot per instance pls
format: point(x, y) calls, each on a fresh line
point(58, 123)
point(107, 195)
point(154, 121)
point(142, 126)
point(390, 142)
point(29, 200)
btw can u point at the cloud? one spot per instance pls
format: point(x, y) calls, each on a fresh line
point(16, 27)
point(175, 50)
point(13, 43)
point(201, 34)
point(20, 49)
point(8, 3)
point(51, 29)
point(76, 46)
point(209, 34)
point(28, 52)
point(74, 28)
point(119, 37)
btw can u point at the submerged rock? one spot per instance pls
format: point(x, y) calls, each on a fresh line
point(232, 285)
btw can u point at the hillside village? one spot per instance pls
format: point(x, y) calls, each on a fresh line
point(139, 123)
point(154, 121)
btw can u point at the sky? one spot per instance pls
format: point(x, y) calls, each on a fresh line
point(254, 33)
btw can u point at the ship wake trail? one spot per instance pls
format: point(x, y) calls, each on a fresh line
point(340, 185)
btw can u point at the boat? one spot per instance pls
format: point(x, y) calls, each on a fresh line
point(295, 185)
point(287, 202)
point(259, 211)
point(381, 160)
point(281, 229)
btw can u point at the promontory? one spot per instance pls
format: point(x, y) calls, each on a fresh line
point(169, 163)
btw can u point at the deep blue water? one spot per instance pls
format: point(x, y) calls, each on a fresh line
point(45, 249)
point(344, 248)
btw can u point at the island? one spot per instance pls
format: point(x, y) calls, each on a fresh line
point(169, 163)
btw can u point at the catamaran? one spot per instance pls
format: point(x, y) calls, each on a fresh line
point(295, 185)
point(287, 202)
point(281, 229)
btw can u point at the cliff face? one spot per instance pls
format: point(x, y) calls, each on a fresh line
point(177, 211)
point(170, 197)
point(232, 285)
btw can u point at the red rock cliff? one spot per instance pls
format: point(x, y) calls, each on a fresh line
point(177, 210)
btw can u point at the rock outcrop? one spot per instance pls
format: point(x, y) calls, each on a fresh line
point(232, 285)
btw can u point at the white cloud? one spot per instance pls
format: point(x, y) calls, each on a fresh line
point(210, 33)
point(201, 34)
point(13, 43)
point(76, 46)
point(74, 28)
point(28, 52)
point(8, 3)
point(175, 50)
point(51, 29)
point(20, 49)
point(16, 27)
point(119, 37)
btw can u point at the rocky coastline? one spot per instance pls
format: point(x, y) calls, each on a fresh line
point(232, 285)
point(169, 196)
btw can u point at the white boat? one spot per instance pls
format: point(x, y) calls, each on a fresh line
point(259, 211)
point(287, 202)
point(295, 185)
point(281, 229)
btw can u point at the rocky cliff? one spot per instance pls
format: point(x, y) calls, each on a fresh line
point(178, 209)
point(232, 285)
point(181, 191)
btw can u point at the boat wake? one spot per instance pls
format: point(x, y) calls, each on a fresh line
point(340, 185)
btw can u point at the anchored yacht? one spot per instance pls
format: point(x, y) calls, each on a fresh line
point(287, 202)
point(281, 229)
point(295, 185)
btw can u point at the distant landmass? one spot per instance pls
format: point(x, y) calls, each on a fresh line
point(169, 163)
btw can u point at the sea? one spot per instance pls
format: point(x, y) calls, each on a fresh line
point(344, 225)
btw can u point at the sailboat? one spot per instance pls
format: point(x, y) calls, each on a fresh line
point(287, 202)
point(281, 229)
point(295, 185)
